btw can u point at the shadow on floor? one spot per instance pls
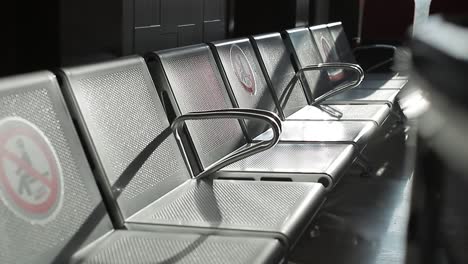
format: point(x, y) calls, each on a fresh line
point(364, 219)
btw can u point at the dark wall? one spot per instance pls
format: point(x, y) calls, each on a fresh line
point(347, 12)
point(161, 24)
point(260, 16)
point(29, 33)
point(90, 30)
point(56, 33)
point(387, 21)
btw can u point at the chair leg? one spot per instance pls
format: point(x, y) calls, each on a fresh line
point(367, 168)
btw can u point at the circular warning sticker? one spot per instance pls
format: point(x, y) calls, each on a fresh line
point(30, 174)
point(333, 75)
point(242, 69)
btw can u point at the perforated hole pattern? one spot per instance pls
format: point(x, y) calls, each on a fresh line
point(262, 98)
point(324, 33)
point(366, 95)
point(122, 118)
point(21, 241)
point(287, 158)
point(164, 249)
point(308, 54)
point(197, 86)
point(280, 70)
point(251, 205)
point(342, 45)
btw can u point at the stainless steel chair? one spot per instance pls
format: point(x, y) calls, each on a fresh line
point(317, 83)
point(120, 115)
point(191, 79)
point(280, 73)
point(51, 210)
point(327, 47)
point(346, 54)
point(248, 88)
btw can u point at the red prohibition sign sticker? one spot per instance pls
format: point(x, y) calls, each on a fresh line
point(242, 69)
point(31, 182)
point(333, 75)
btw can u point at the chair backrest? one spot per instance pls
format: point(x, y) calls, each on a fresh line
point(279, 70)
point(341, 42)
point(325, 43)
point(326, 47)
point(193, 82)
point(119, 114)
point(305, 53)
point(47, 192)
point(244, 77)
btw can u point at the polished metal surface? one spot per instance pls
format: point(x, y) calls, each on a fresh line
point(189, 99)
point(305, 53)
point(327, 46)
point(355, 132)
point(280, 71)
point(145, 247)
point(346, 54)
point(340, 88)
point(120, 113)
point(366, 96)
point(276, 207)
point(184, 201)
point(375, 112)
point(44, 170)
point(385, 76)
point(244, 74)
point(237, 58)
point(366, 219)
point(325, 43)
point(273, 122)
point(196, 84)
point(296, 162)
point(279, 68)
point(341, 42)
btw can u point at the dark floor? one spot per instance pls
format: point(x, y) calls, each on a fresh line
point(365, 218)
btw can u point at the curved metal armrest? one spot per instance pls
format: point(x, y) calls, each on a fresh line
point(323, 66)
point(238, 113)
point(333, 65)
point(342, 87)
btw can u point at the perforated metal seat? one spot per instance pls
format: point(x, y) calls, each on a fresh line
point(305, 52)
point(365, 96)
point(279, 71)
point(51, 210)
point(237, 58)
point(124, 247)
point(193, 83)
point(345, 54)
point(327, 49)
point(374, 112)
point(120, 114)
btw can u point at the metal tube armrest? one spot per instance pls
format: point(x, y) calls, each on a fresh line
point(238, 113)
point(342, 87)
point(322, 66)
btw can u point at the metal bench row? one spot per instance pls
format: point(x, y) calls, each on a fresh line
point(215, 153)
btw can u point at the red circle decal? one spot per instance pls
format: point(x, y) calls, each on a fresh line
point(30, 173)
point(242, 69)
